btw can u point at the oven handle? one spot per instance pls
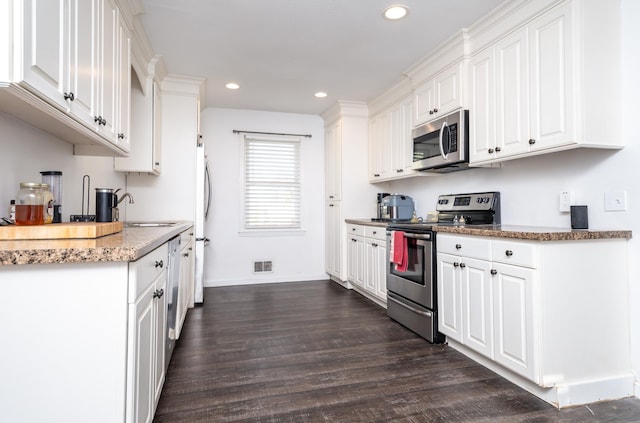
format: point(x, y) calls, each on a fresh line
point(418, 236)
point(415, 310)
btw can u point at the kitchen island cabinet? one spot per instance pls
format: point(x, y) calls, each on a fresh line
point(86, 342)
point(540, 312)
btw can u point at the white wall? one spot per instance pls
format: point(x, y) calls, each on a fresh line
point(230, 256)
point(25, 151)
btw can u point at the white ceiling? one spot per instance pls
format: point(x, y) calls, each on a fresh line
point(282, 51)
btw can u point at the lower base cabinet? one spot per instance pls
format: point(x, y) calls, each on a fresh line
point(533, 311)
point(86, 340)
point(367, 260)
point(147, 334)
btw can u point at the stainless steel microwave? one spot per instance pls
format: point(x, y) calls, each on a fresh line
point(442, 145)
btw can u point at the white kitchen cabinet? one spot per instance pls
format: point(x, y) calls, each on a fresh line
point(45, 30)
point(333, 162)
point(367, 260)
point(522, 307)
point(439, 95)
point(333, 244)
point(390, 143)
point(146, 334)
point(376, 262)
point(65, 72)
point(379, 147)
point(146, 134)
point(528, 89)
point(186, 283)
point(356, 255)
point(348, 192)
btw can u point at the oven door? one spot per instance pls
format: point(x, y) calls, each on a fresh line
point(416, 283)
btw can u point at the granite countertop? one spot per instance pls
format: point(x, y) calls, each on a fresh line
point(128, 245)
point(536, 233)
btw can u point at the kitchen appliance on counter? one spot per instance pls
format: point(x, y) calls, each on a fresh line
point(54, 179)
point(107, 204)
point(380, 197)
point(412, 291)
point(397, 208)
point(442, 145)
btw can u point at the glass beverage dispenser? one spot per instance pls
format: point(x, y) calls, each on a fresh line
point(54, 179)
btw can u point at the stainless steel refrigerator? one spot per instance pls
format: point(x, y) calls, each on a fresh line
point(203, 205)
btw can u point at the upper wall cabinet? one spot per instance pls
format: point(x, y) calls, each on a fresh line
point(439, 95)
point(390, 143)
point(541, 87)
point(67, 71)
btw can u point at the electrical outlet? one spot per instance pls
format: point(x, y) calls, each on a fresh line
point(567, 199)
point(615, 201)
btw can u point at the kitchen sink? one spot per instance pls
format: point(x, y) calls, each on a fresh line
point(148, 224)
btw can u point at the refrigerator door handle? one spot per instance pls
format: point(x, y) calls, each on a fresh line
point(207, 183)
point(205, 239)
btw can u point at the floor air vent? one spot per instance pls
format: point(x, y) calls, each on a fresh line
point(262, 266)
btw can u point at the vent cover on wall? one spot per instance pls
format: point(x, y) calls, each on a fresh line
point(262, 266)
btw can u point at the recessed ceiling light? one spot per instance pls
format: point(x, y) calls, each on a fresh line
point(320, 94)
point(232, 86)
point(395, 12)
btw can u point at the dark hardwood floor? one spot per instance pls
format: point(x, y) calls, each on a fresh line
point(315, 352)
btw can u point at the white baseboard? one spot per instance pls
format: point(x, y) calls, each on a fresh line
point(565, 394)
point(265, 279)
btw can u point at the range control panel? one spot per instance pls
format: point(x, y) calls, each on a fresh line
point(480, 201)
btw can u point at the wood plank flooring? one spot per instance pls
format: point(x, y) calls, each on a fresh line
point(315, 352)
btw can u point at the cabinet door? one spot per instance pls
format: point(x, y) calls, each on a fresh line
point(512, 93)
point(352, 258)
point(43, 54)
point(424, 102)
point(333, 162)
point(370, 276)
point(477, 311)
point(401, 141)
point(142, 341)
point(82, 59)
point(448, 90)
point(160, 337)
point(380, 270)
point(449, 300)
point(108, 70)
point(552, 96)
point(482, 120)
point(123, 84)
point(513, 319)
point(333, 240)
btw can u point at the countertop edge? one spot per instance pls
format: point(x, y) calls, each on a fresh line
point(532, 233)
point(129, 245)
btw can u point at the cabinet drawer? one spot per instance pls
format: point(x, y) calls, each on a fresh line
point(473, 247)
point(145, 270)
point(355, 229)
point(514, 252)
point(186, 237)
point(375, 232)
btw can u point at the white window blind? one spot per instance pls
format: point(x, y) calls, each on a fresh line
point(271, 183)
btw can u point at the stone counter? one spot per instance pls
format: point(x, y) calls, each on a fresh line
point(536, 233)
point(128, 245)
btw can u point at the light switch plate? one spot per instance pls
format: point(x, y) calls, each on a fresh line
point(567, 199)
point(615, 200)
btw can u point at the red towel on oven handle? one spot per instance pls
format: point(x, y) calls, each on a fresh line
point(399, 254)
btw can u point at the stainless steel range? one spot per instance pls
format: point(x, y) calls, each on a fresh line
point(411, 269)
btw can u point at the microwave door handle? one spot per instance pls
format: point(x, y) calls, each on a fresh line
point(441, 145)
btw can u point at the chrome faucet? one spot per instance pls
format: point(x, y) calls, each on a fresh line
point(114, 210)
point(126, 194)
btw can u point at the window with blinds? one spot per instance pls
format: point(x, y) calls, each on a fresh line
point(271, 183)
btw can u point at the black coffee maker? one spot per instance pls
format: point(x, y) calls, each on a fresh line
point(379, 212)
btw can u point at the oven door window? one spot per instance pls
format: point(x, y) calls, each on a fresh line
point(415, 269)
